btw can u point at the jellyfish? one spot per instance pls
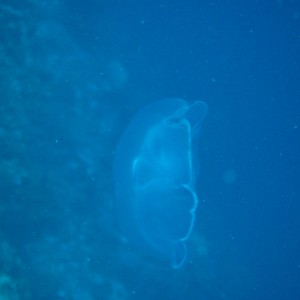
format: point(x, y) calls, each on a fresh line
point(155, 170)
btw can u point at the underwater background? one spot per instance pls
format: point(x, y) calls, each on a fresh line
point(73, 73)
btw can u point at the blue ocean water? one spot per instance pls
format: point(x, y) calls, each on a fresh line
point(72, 76)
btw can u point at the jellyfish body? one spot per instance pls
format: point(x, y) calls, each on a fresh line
point(155, 176)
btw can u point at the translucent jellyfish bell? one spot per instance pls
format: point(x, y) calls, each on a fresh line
point(154, 173)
